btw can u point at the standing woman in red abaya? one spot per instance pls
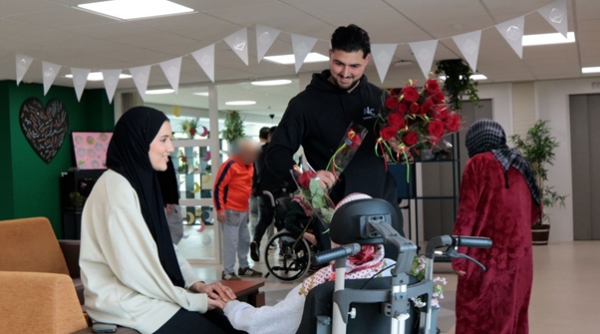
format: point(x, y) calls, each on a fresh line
point(499, 199)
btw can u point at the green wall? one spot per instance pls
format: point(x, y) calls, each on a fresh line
point(35, 184)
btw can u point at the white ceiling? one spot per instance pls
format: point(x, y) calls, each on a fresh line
point(52, 30)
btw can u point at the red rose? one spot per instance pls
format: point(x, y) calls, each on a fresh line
point(438, 97)
point(440, 112)
point(435, 128)
point(410, 138)
point(410, 94)
point(391, 103)
point(388, 132)
point(432, 86)
point(353, 139)
point(304, 179)
point(426, 106)
point(453, 122)
point(395, 91)
point(402, 108)
point(396, 120)
point(414, 109)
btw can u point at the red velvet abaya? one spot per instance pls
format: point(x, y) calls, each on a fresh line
point(497, 301)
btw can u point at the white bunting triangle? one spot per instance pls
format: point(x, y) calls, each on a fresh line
point(556, 14)
point(238, 42)
point(512, 31)
point(382, 56)
point(111, 80)
point(80, 76)
point(140, 79)
point(172, 69)
point(265, 37)
point(23, 63)
point(424, 53)
point(49, 72)
point(206, 59)
point(302, 45)
point(468, 44)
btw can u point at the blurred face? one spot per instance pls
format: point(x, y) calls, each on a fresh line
point(248, 152)
point(347, 68)
point(161, 147)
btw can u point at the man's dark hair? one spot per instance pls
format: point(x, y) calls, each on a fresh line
point(264, 133)
point(351, 39)
point(272, 130)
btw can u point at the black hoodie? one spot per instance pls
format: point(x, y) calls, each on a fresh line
point(317, 119)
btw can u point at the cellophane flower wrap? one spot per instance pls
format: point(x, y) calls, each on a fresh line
point(418, 270)
point(413, 118)
point(353, 138)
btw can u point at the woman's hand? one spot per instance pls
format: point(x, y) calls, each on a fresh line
point(310, 238)
point(461, 273)
point(214, 303)
point(214, 291)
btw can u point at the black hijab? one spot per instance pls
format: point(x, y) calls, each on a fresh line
point(128, 155)
point(168, 184)
point(486, 135)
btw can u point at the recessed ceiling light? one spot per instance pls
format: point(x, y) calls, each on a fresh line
point(160, 91)
point(547, 39)
point(97, 76)
point(312, 57)
point(201, 93)
point(476, 77)
point(595, 69)
point(272, 82)
point(240, 103)
point(135, 9)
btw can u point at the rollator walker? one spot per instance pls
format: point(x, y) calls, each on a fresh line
point(383, 304)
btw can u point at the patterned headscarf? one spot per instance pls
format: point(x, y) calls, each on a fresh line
point(486, 135)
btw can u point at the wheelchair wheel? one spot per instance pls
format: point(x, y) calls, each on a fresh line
point(289, 259)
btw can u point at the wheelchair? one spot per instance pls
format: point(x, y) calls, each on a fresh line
point(286, 256)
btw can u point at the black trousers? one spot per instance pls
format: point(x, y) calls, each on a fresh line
point(187, 322)
point(266, 212)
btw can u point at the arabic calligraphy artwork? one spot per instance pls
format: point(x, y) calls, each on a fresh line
point(44, 127)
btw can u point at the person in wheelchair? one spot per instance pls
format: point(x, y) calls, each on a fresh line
point(285, 316)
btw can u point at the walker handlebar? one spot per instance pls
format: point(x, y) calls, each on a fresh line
point(472, 242)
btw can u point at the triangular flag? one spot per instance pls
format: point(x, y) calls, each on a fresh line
point(140, 78)
point(302, 45)
point(265, 37)
point(468, 44)
point(80, 76)
point(424, 53)
point(512, 31)
point(206, 59)
point(49, 72)
point(172, 69)
point(23, 63)
point(382, 56)
point(111, 80)
point(238, 42)
point(556, 14)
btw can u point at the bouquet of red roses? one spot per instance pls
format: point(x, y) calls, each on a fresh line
point(412, 117)
point(352, 140)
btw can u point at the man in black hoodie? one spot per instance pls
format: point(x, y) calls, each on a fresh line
point(318, 118)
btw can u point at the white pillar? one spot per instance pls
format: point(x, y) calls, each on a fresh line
point(213, 140)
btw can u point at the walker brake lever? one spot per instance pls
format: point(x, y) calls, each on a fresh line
point(452, 253)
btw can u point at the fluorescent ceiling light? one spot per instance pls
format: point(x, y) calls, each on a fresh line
point(312, 57)
point(160, 91)
point(547, 39)
point(240, 103)
point(595, 69)
point(476, 77)
point(97, 76)
point(272, 82)
point(135, 9)
point(201, 94)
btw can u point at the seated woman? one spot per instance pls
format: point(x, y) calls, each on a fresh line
point(132, 273)
point(285, 316)
point(301, 221)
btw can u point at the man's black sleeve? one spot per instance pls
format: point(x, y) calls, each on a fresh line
point(286, 141)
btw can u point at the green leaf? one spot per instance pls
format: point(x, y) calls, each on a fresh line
point(314, 185)
point(318, 202)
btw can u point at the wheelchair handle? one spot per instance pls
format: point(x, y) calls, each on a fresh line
point(268, 194)
point(471, 242)
point(334, 254)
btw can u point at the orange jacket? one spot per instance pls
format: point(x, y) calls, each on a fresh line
point(233, 186)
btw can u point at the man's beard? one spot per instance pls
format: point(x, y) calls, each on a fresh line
point(352, 85)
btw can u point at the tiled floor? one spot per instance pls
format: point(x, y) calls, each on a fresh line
point(565, 295)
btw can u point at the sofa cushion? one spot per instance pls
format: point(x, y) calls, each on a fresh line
point(29, 245)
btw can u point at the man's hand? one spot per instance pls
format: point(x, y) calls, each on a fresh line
point(221, 217)
point(310, 238)
point(215, 291)
point(326, 179)
point(169, 209)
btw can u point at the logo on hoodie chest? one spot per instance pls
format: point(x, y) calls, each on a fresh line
point(369, 113)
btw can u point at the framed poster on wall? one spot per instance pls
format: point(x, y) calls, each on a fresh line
point(90, 149)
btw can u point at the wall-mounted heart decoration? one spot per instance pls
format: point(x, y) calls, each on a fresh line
point(44, 128)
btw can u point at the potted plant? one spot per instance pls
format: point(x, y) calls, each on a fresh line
point(458, 82)
point(234, 127)
point(538, 148)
